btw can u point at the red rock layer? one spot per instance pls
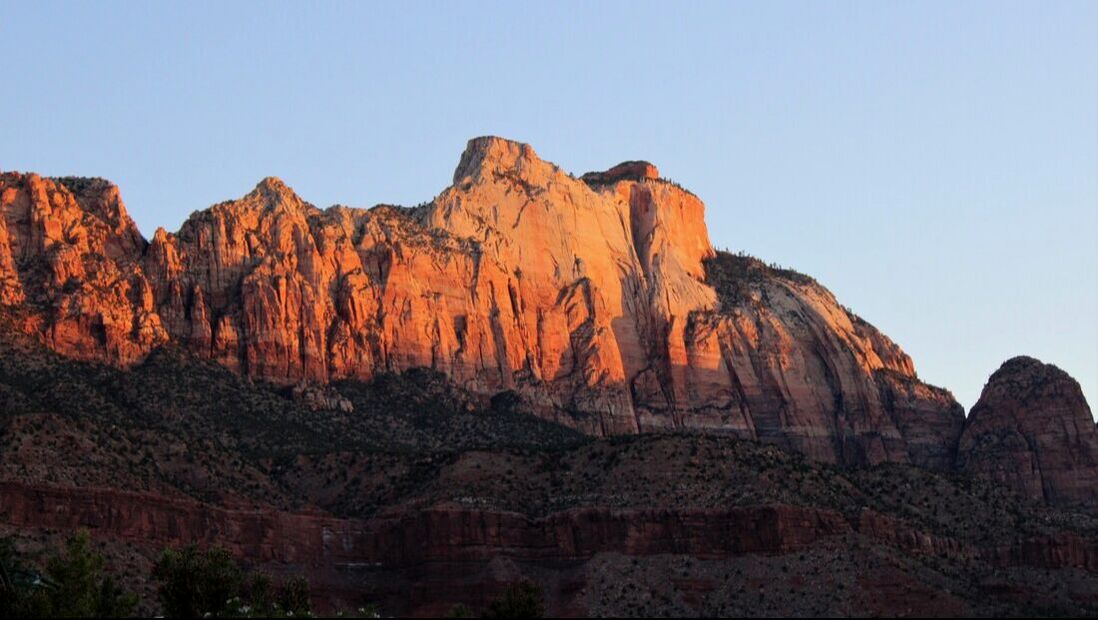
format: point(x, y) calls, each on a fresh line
point(1033, 431)
point(587, 298)
point(448, 553)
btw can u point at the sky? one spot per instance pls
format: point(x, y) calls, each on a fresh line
point(935, 164)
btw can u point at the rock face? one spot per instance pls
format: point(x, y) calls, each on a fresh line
point(419, 562)
point(68, 247)
point(600, 300)
point(1033, 431)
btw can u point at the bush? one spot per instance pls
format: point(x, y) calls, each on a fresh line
point(196, 583)
point(521, 600)
point(73, 585)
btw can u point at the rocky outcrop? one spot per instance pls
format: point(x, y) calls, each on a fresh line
point(625, 171)
point(1033, 431)
point(596, 299)
point(317, 397)
point(68, 248)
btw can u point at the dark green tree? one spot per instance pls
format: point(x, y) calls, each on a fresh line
point(460, 611)
point(114, 602)
point(76, 576)
point(16, 581)
point(293, 597)
point(260, 595)
point(72, 586)
point(194, 583)
point(521, 600)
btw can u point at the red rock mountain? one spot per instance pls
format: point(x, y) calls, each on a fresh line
point(600, 300)
point(1033, 431)
point(597, 302)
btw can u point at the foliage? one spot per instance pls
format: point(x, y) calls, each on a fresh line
point(195, 583)
point(18, 582)
point(72, 586)
point(735, 276)
point(293, 597)
point(521, 600)
point(198, 584)
point(460, 611)
point(80, 185)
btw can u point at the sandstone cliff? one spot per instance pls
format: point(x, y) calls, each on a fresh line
point(600, 300)
point(1033, 431)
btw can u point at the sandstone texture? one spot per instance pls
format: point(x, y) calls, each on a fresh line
point(599, 300)
point(1033, 431)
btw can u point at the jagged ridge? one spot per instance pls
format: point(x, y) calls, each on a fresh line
point(590, 298)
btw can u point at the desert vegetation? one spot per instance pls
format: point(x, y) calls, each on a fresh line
point(76, 582)
point(179, 427)
point(736, 275)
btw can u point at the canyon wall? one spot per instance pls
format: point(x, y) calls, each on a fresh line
point(594, 298)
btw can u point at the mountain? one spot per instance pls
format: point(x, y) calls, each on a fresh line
point(1033, 431)
point(427, 495)
point(600, 300)
point(533, 376)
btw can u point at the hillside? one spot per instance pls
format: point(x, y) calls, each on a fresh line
point(423, 478)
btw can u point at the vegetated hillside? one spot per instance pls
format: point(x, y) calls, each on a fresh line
point(884, 539)
point(178, 425)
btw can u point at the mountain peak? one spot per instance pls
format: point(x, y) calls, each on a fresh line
point(636, 170)
point(493, 152)
point(1033, 431)
point(272, 185)
point(1025, 376)
point(272, 193)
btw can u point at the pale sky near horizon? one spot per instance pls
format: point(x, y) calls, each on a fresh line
point(935, 164)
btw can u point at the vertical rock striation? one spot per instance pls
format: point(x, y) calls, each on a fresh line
point(599, 299)
point(1033, 431)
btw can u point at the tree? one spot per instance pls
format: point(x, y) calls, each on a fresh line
point(113, 601)
point(72, 586)
point(77, 578)
point(195, 583)
point(259, 592)
point(17, 581)
point(460, 611)
point(293, 597)
point(521, 600)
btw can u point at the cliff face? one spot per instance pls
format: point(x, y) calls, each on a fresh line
point(67, 249)
point(1033, 431)
point(600, 300)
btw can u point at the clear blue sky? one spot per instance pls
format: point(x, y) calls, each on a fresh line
point(934, 164)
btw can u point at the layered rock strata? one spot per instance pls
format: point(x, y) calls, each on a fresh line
point(1033, 431)
point(600, 300)
point(418, 562)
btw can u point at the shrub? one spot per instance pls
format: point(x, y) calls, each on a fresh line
point(521, 600)
point(195, 583)
point(73, 585)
